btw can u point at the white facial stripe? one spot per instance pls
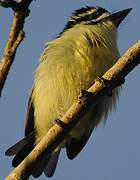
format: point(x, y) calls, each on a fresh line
point(88, 12)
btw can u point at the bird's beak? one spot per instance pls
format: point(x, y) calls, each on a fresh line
point(119, 16)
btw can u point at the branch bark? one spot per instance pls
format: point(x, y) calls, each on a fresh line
point(102, 86)
point(16, 35)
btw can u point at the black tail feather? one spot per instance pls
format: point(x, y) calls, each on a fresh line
point(20, 156)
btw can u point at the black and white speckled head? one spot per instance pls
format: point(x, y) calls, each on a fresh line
point(88, 14)
point(85, 14)
point(94, 15)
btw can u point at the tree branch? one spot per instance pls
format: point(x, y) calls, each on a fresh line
point(9, 3)
point(16, 35)
point(111, 79)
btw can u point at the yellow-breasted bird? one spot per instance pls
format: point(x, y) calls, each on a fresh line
point(84, 50)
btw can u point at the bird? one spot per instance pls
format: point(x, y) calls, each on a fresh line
point(84, 50)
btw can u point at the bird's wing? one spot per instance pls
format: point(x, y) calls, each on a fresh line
point(18, 146)
point(29, 125)
point(74, 147)
point(22, 148)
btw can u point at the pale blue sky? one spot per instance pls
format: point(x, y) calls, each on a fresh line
point(113, 151)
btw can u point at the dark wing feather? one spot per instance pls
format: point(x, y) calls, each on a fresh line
point(74, 147)
point(29, 130)
point(52, 163)
point(21, 155)
point(29, 125)
point(22, 148)
point(19, 145)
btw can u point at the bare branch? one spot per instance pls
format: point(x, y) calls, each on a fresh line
point(9, 4)
point(111, 79)
point(16, 35)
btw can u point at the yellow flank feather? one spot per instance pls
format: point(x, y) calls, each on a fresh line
point(70, 63)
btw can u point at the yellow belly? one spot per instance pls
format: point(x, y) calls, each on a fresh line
point(59, 80)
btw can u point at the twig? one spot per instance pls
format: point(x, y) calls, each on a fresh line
point(16, 35)
point(9, 3)
point(111, 79)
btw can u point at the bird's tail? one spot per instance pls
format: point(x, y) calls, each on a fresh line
point(22, 148)
point(47, 165)
point(52, 163)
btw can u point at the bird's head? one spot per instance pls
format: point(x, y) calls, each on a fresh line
point(96, 15)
